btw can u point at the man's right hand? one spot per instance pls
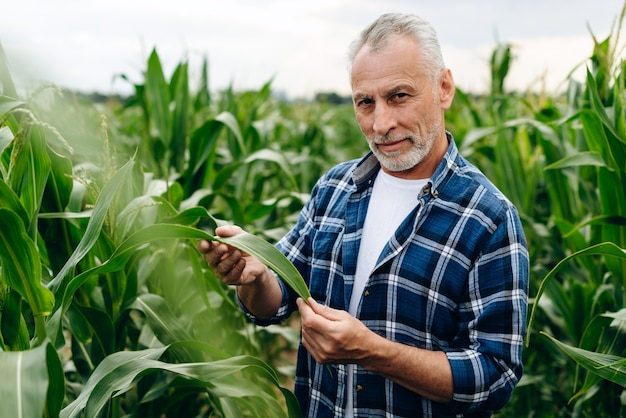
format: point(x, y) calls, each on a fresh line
point(257, 286)
point(230, 265)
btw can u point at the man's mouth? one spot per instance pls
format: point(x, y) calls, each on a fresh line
point(392, 146)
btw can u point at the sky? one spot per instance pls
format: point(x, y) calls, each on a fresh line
point(300, 45)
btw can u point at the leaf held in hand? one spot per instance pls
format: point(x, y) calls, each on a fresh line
point(271, 257)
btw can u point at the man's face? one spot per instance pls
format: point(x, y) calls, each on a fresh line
point(400, 109)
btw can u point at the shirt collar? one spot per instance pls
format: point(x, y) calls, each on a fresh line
point(367, 169)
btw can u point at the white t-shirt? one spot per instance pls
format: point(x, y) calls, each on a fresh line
point(391, 202)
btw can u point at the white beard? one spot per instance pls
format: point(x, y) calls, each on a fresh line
point(401, 160)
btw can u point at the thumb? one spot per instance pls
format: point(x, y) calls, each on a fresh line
point(325, 311)
point(228, 230)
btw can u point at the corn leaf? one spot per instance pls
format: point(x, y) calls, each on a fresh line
point(180, 114)
point(598, 108)
point(271, 257)
point(8, 103)
point(585, 158)
point(6, 138)
point(34, 378)
point(120, 371)
point(13, 328)
point(8, 87)
point(162, 320)
point(251, 244)
point(158, 98)
point(10, 201)
point(30, 172)
point(21, 267)
point(605, 249)
point(607, 366)
point(94, 227)
point(268, 155)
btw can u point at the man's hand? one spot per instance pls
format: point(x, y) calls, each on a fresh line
point(257, 286)
point(335, 336)
point(331, 335)
point(231, 266)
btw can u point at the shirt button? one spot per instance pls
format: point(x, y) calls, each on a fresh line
point(366, 293)
point(359, 388)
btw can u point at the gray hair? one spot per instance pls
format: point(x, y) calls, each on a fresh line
point(389, 25)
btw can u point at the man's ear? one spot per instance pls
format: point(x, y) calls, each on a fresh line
point(446, 89)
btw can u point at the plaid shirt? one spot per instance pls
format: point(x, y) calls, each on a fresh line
point(454, 278)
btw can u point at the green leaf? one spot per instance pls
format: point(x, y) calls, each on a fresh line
point(271, 257)
point(158, 98)
point(8, 87)
point(56, 382)
point(21, 267)
point(598, 107)
point(181, 95)
point(191, 216)
point(120, 371)
point(13, 330)
point(605, 249)
point(251, 244)
point(268, 155)
point(10, 201)
point(607, 366)
point(32, 379)
point(8, 103)
point(229, 120)
point(586, 158)
point(105, 200)
point(162, 320)
point(31, 170)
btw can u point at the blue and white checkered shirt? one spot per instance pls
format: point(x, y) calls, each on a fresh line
point(454, 278)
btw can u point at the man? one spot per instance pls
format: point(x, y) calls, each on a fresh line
point(417, 264)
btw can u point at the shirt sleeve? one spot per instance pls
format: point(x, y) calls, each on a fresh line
point(295, 246)
point(281, 315)
point(486, 357)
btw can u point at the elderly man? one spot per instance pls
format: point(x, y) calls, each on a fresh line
point(417, 264)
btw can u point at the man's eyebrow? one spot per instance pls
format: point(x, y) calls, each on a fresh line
point(398, 89)
point(360, 96)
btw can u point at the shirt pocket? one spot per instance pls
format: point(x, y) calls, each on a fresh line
point(326, 261)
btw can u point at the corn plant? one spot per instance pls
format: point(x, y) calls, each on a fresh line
point(561, 161)
point(106, 307)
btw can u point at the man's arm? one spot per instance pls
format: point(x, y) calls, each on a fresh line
point(334, 336)
point(257, 287)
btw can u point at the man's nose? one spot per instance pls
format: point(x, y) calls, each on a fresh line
point(384, 119)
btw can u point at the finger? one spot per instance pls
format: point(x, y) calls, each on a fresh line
point(204, 246)
point(228, 230)
point(304, 308)
point(235, 275)
point(216, 253)
point(325, 311)
point(228, 261)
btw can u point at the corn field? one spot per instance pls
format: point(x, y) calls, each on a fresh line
point(107, 309)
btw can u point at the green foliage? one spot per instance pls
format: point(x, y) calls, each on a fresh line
point(561, 160)
point(108, 309)
point(106, 306)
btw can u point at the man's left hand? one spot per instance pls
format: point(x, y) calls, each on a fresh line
point(332, 335)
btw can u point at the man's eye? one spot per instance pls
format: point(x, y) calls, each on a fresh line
point(365, 102)
point(401, 95)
